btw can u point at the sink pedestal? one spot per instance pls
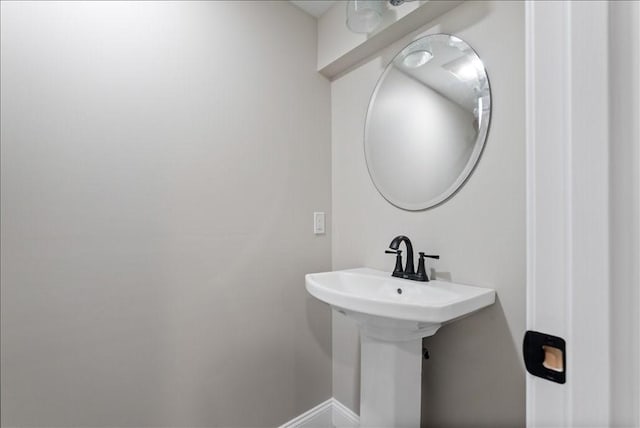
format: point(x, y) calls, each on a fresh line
point(390, 370)
point(390, 383)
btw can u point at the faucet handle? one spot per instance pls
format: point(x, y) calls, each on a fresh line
point(422, 271)
point(426, 255)
point(398, 268)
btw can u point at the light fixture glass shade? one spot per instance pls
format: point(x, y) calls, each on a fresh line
point(363, 16)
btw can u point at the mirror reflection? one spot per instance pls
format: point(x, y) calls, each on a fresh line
point(427, 121)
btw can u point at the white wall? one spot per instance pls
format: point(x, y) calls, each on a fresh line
point(624, 187)
point(475, 376)
point(160, 165)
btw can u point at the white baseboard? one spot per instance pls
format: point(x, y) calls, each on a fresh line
point(342, 416)
point(329, 414)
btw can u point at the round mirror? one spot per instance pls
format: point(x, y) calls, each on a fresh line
point(427, 121)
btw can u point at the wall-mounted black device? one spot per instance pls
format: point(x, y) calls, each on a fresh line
point(545, 356)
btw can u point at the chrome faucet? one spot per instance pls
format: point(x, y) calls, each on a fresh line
point(408, 271)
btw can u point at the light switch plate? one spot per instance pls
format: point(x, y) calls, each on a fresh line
point(318, 223)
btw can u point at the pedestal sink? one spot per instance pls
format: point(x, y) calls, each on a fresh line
point(393, 316)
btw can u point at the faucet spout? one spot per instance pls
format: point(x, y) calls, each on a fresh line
point(395, 244)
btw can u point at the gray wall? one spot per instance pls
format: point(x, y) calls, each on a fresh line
point(160, 165)
point(475, 376)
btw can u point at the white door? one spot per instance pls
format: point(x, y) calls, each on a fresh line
point(571, 241)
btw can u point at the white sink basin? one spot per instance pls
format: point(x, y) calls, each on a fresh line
point(393, 316)
point(375, 297)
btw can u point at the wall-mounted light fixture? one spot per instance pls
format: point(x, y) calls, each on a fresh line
point(363, 16)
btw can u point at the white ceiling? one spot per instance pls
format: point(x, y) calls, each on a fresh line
point(314, 7)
